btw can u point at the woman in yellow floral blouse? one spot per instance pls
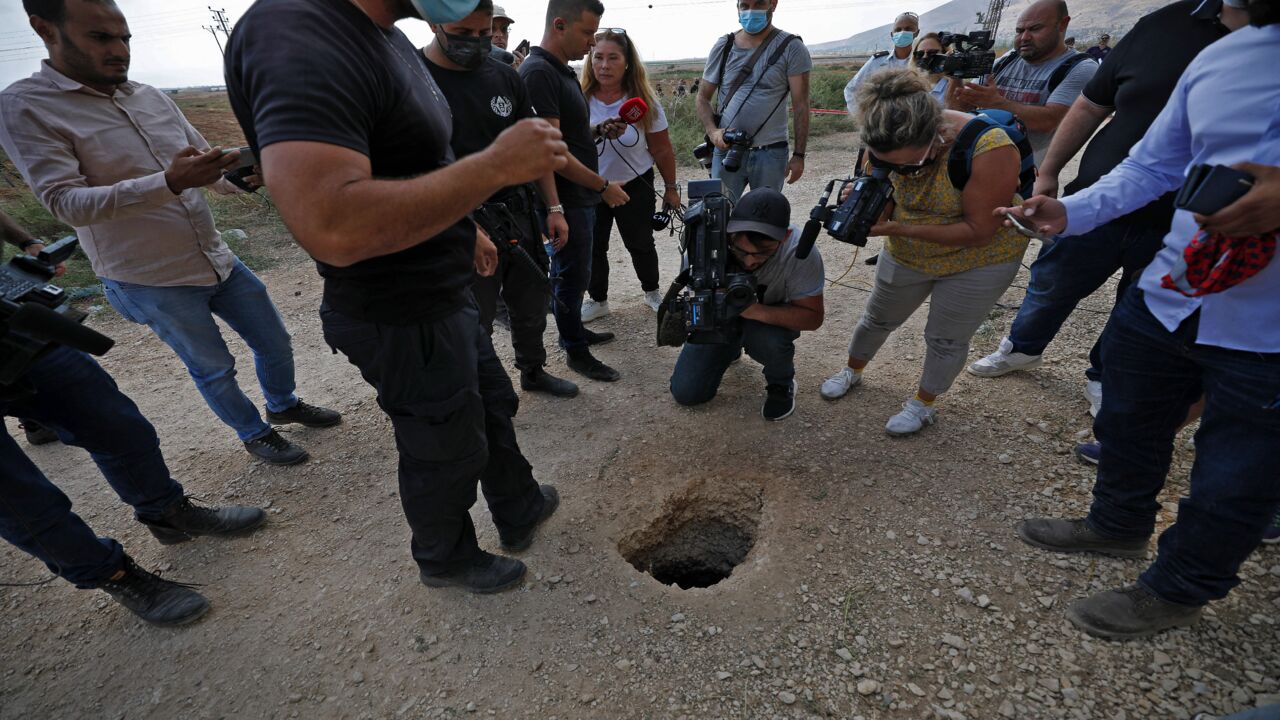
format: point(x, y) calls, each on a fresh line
point(943, 244)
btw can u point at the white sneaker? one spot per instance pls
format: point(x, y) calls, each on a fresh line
point(592, 310)
point(914, 416)
point(1093, 393)
point(835, 387)
point(1003, 362)
point(653, 299)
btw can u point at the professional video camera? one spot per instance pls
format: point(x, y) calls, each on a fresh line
point(852, 220)
point(972, 57)
point(705, 300)
point(738, 142)
point(33, 313)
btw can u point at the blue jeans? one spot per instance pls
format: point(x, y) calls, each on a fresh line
point(700, 367)
point(79, 400)
point(1152, 376)
point(183, 318)
point(570, 275)
point(760, 168)
point(1070, 270)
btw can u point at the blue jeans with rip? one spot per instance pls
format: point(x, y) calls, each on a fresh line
point(1151, 377)
point(701, 366)
point(1070, 270)
point(81, 402)
point(182, 317)
point(760, 168)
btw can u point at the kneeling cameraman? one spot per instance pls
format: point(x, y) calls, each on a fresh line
point(789, 294)
point(64, 389)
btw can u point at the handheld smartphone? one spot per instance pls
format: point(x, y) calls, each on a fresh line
point(246, 160)
point(523, 47)
point(1210, 188)
point(1020, 225)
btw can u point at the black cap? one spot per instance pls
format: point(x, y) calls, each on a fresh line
point(763, 210)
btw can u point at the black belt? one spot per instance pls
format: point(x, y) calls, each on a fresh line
point(771, 146)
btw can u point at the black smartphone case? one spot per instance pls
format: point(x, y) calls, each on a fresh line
point(1210, 188)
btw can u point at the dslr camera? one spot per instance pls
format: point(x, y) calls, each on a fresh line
point(852, 220)
point(34, 316)
point(738, 142)
point(705, 300)
point(972, 56)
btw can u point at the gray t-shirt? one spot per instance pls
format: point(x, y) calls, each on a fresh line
point(786, 277)
point(1022, 82)
point(749, 110)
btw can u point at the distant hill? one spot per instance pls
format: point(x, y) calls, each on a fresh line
point(1089, 19)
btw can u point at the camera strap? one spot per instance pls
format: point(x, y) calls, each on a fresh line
point(747, 68)
point(786, 90)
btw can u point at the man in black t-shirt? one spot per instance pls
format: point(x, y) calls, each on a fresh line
point(1131, 88)
point(487, 97)
point(557, 97)
point(353, 139)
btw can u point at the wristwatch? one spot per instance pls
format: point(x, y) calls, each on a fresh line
point(555, 209)
point(28, 243)
point(604, 187)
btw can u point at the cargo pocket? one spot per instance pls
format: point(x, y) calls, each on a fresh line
point(448, 431)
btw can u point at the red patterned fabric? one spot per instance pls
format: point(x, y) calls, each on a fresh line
point(1213, 263)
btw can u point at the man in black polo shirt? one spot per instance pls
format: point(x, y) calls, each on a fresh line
point(557, 97)
point(487, 97)
point(353, 137)
point(1131, 88)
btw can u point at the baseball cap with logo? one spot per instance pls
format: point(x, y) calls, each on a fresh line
point(763, 210)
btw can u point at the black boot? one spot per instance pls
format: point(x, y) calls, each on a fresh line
point(583, 362)
point(305, 414)
point(521, 540)
point(539, 380)
point(489, 573)
point(37, 434)
point(1072, 536)
point(154, 599)
point(597, 338)
point(273, 449)
point(186, 520)
point(1129, 613)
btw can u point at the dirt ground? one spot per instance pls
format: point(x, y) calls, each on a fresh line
point(879, 577)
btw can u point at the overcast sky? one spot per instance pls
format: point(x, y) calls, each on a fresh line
point(171, 50)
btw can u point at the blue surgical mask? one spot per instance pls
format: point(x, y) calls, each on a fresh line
point(753, 21)
point(903, 38)
point(444, 11)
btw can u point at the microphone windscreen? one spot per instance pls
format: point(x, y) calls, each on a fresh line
point(807, 237)
point(632, 111)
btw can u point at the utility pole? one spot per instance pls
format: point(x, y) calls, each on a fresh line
point(214, 32)
point(990, 20)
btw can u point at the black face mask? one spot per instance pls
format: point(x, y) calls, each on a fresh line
point(469, 52)
point(1263, 12)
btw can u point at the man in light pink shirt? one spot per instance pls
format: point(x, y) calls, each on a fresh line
point(118, 161)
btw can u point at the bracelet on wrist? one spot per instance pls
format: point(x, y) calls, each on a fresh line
point(797, 154)
point(603, 187)
point(556, 209)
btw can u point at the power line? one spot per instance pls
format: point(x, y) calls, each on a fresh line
point(219, 23)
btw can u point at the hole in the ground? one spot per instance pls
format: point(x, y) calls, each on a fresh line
point(700, 536)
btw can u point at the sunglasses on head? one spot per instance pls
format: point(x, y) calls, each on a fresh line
point(605, 32)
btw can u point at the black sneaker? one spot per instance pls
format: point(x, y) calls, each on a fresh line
point(154, 599)
point(583, 362)
point(597, 338)
point(275, 450)
point(1129, 613)
point(520, 541)
point(488, 574)
point(305, 414)
point(780, 401)
point(539, 380)
point(186, 520)
point(36, 433)
point(1073, 536)
point(1090, 452)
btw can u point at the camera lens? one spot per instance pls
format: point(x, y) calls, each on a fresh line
point(733, 159)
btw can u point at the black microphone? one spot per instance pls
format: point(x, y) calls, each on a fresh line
point(41, 323)
point(807, 238)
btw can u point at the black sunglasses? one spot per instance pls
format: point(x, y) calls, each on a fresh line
point(922, 54)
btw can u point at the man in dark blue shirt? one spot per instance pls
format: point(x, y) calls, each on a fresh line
point(354, 136)
point(557, 97)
